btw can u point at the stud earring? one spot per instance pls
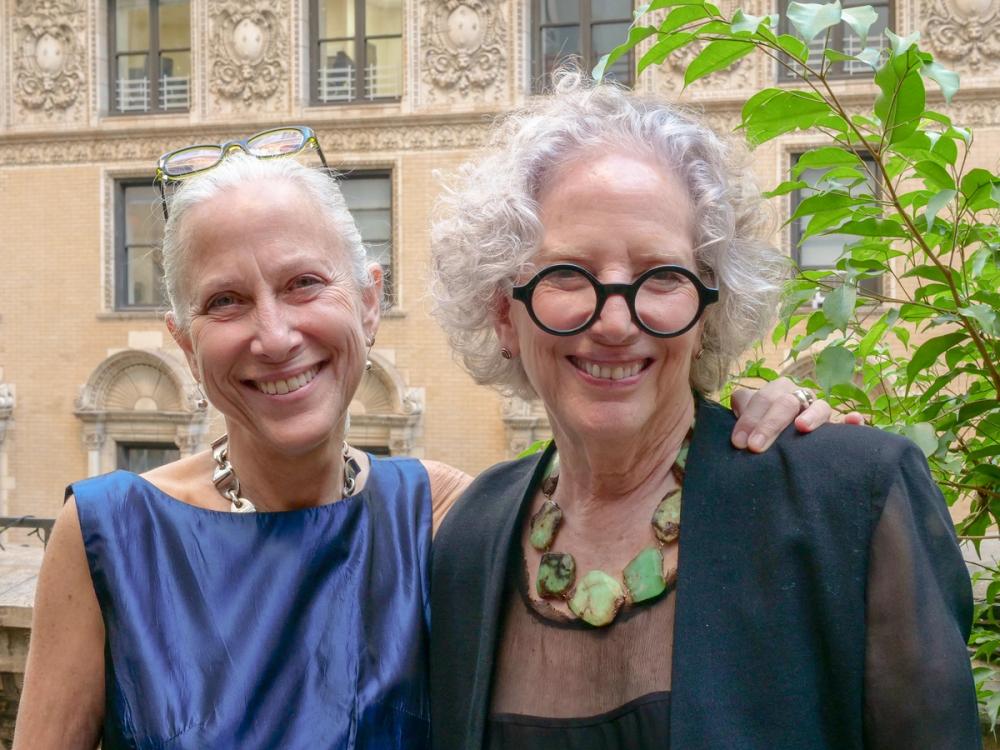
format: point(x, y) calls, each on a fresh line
point(506, 353)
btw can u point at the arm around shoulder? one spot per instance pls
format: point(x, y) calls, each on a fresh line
point(447, 485)
point(62, 703)
point(919, 691)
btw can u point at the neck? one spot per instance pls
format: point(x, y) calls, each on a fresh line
point(277, 481)
point(598, 474)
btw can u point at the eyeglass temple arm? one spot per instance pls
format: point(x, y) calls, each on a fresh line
point(163, 198)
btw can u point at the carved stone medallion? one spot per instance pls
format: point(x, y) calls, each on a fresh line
point(463, 42)
point(963, 30)
point(250, 48)
point(48, 54)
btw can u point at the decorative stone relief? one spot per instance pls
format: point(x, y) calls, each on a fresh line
point(385, 412)
point(464, 49)
point(963, 31)
point(525, 422)
point(250, 49)
point(49, 49)
point(405, 136)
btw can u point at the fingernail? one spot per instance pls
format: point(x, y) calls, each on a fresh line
point(740, 440)
point(757, 442)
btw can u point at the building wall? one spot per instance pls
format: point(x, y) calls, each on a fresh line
point(60, 152)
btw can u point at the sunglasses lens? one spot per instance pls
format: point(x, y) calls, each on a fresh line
point(190, 160)
point(277, 142)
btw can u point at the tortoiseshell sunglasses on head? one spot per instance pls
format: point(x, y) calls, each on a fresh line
point(190, 161)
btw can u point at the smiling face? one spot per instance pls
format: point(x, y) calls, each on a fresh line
point(616, 215)
point(278, 326)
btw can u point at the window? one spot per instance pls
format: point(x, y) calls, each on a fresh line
point(356, 50)
point(820, 252)
point(138, 236)
point(369, 199)
point(150, 55)
point(580, 31)
point(843, 38)
point(141, 457)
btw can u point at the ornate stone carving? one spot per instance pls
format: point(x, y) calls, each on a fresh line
point(525, 422)
point(49, 54)
point(963, 30)
point(464, 46)
point(404, 136)
point(250, 48)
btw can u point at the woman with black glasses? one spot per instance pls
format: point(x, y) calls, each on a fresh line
point(272, 592)
point(640, 583)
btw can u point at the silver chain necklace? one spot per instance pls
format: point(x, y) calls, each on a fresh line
point(225, 480)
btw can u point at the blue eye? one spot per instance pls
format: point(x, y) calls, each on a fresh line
point(303, 282)
point(221, 300)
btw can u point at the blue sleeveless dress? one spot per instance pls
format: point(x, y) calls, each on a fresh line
point(299, 629)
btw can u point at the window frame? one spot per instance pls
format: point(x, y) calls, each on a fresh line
point(837, 70)
point(120, 268)
point(390, 285)
point(153, 55)
point(360, 39)
point(586, 53)
point(870, 284)
point(123, 446)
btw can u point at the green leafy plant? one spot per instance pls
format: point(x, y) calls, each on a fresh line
point(922, 356)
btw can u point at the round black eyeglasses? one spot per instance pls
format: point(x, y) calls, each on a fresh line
point(566, 299)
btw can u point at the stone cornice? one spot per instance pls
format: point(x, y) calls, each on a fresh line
point(402, 134)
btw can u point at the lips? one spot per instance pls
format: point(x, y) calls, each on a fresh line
point(286, 385)
point(609, 371)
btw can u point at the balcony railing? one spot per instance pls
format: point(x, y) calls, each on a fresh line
point(338, 84)
point(133, 95)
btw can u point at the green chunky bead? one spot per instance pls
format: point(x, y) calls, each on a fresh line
point(544, 525)
point(597, 598)
point(556, 575)
point(644, 575)
point(667, 518)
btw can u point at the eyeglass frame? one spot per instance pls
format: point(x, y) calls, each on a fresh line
point(706, 296)
point(225, 148)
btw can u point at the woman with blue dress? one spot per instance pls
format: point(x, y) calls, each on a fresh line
point(272, 592)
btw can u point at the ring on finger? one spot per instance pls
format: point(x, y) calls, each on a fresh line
point(805, 397)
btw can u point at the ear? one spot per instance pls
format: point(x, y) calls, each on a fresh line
point(503, 325)
point(371, 303)
point(183, 339)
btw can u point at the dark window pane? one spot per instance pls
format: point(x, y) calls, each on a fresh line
point(604, 38)
point(383, 17)
point(139, 268)
point(370, 202)
point(560, 11)
point(557, 45)
point(142, 457)
point(336, 19)
point(607, 10)
point(132, 25)
point(335, 76)
point(175, 24)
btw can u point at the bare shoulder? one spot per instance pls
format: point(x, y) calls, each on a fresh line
point(447, 485)
point(189, 480)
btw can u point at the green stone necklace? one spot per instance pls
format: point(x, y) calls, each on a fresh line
point(597, 597)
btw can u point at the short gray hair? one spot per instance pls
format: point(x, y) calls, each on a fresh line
point(487, 227)
point(240, 169)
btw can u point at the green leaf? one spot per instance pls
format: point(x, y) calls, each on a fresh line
point(745, 22)
point(900, 44)
point(935, 203)
point(682, 16)
point(870, 57)
point(834, 366)
point(946, 149)
point(977, 188)
point(873, 228)
point(922, 433)
point(794, 47)
point(839, 305)
point(635, 35)
point(928, 352)
point(935, 176)
point(811, 19)
point(873, 336)
point(661, 4)
point(717, 55)
point(785, 188)
point(946, 79)
point(974, 409)
point(860, 19)
point(660, 51)
point(771, 112)
point(985, 315)
point(824, 202)
point(828, 156)
point(901, 100)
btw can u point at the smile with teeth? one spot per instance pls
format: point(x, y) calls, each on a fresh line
point(618, 371)
point(289, 385)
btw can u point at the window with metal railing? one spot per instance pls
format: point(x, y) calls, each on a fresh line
point(150, 55)
point(356, 50)
point(842, 37)
point(579, 31)
point(820, 252)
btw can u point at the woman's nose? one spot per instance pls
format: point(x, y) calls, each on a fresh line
point(277, 337)
point(615, 321)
